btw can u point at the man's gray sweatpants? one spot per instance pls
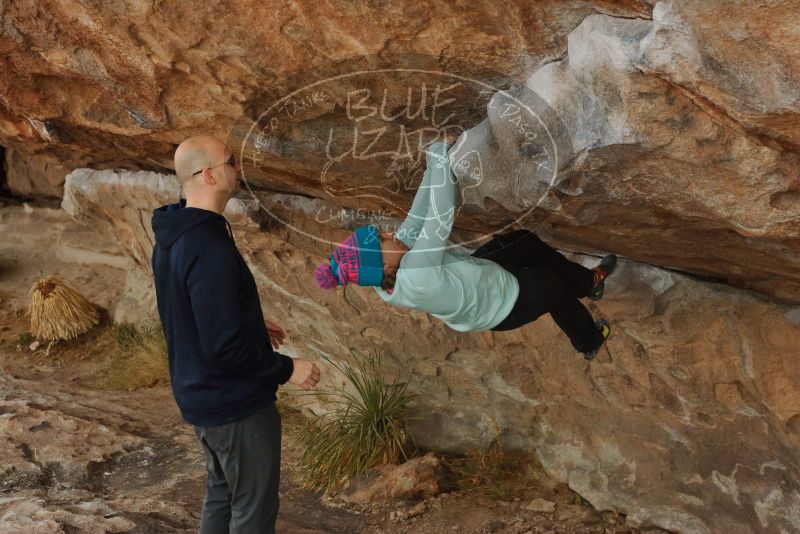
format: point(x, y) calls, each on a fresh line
point(243, 461)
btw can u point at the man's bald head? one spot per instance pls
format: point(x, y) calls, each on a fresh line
point(196, 153)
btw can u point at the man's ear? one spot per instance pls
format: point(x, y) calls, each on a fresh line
point(208, 178)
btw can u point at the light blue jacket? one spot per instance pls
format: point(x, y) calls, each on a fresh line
point(469, 294)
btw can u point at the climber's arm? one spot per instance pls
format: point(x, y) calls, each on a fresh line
point(429, 246)
point(409, 231)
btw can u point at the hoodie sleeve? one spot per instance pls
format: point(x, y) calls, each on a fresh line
point(425, 257)
point(419, 213)
point(213, 283)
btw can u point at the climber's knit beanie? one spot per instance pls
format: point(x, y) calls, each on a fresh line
point(356, 260)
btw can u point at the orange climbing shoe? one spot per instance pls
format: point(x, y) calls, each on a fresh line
point(601, 272)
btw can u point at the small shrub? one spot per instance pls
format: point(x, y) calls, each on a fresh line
point(495, 472)
point(25, 339)
point(125, 335)
point(579, 500)
point(138, 358)
point(362, 430)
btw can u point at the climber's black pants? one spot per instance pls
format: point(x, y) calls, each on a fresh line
point(548, 283)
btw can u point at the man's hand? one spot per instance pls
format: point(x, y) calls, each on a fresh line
point(276, 334)
point(305, 375)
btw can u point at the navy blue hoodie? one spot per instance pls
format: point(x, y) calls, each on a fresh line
point(221, 363)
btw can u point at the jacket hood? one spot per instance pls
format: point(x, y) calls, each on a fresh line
point(172, 220)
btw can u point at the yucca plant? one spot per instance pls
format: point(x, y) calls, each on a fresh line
point(362, 429)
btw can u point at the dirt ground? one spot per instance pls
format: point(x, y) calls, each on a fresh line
point(80, 458)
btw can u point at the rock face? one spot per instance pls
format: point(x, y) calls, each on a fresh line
point(682, 116)
point(689, 420)
point(130, 79)
point(738, 62)
point(89, 461)
point(664, 131)
point(672, 163)
point(64, 443)
point(46, 241)
point(93, 197)
point(34, 175)
point(417, 479)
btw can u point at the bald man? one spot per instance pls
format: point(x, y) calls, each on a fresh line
point(224, 370)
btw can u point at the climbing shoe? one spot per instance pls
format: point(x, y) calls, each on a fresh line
point(605, 329)
point(601, 272)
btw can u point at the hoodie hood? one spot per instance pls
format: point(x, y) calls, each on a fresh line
point(172, 220)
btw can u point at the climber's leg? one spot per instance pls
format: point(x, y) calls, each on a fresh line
point(605, 331)
point(542, 291)
point(576, 321)
point(539, 255)
point(522, 248)
point(502, 249)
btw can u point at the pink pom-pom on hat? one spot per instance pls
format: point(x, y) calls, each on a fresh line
point(324, 276)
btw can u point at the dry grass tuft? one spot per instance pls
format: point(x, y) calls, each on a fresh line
point(496, 472)
point(58, 312)
point(138, 358)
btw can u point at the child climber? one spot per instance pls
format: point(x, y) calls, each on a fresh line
point(507, 283)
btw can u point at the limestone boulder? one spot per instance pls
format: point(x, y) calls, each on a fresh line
point(417, 479)
point(649, 171)
point(666, 132)
point(34, 175)
point(679, 117)
point(128, 80)
point(689, 418)
point(48, 437)
point(93, 197)
point(739, 62)
point(26, 514)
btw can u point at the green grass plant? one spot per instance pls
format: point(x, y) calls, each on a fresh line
point(365, 425)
